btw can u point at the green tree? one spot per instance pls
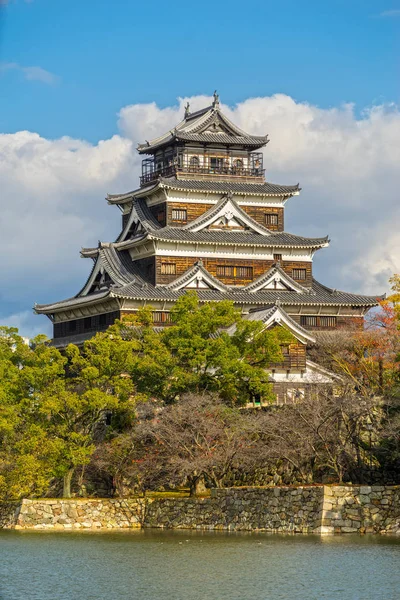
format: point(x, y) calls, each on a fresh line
point(209, 347)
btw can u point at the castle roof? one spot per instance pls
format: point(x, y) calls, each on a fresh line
point(139, 289)
point(206, 186)
point(253, 234)
point(209, 125)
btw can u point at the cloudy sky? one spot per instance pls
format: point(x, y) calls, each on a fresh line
point(75, 107)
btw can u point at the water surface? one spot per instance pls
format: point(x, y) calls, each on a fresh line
point(185, 565)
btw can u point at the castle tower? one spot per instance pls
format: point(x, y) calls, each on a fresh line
point(205, 218)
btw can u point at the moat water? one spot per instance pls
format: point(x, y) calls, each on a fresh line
point(184, 565)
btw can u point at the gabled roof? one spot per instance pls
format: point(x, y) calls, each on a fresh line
point(276, 315)
point(208, 125)
point(277, 275)
point(199, 275)
point(225, 207)
point(206, 186)
point(118, 264)
point(144, 291)
point(195, 231)
point(226, 238)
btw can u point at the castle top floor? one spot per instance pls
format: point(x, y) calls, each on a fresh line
point(204, 145)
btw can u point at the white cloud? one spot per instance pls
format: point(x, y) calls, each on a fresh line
point(30, 73)
point(52, 200)
point(28, 327)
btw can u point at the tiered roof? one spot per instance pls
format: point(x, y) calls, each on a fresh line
point(265, 189)
point(253, 233)
point(208, 125)
point(125, 279)
point(139, 289)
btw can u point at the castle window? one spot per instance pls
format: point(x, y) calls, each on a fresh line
point(246, 272)
point(225, 271)
point(194, 161)
point(179, 214)
point(271, 219)
point(216, 163)
point(235, 272)
point(327, 321)
point(237, 165)
point(309, 321)
point(278, 257)
point(160, 316)
point(299, 274)
point(168, 269)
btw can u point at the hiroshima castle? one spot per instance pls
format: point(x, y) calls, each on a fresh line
point(206, 219)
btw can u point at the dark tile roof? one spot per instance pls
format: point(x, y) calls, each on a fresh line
point(244, 238)
point(320, 295)
point(207, 186)
point(224, 139)
point(193, 127)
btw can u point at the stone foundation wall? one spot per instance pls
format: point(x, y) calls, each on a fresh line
point(363, 509)
point(303, 509)
point(281, 509)
point(74, 513)
point(8, 514)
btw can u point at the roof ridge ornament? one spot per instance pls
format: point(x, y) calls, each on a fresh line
point(187, 110)
point(215, 103)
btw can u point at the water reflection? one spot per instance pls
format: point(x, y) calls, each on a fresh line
point(189, 565)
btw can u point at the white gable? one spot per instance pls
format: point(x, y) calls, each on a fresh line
point(229, 215)
point(275, 280)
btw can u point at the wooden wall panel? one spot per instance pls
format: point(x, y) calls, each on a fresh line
point(258, 214)
point(342, 321)
point(193, 212)
point(259, 267)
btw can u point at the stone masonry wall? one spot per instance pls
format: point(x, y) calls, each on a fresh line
point(303, 509)
point(363, 509)
point(80, 513)
point(282, 509)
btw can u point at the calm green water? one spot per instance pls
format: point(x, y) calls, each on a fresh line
point(150, 565)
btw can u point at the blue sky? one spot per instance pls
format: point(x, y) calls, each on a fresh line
point(82, 82)
point(106, 54)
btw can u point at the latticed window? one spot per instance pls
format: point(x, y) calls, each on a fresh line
point(271, 219)
point(168, 269)
point(278, 257)
point(309, 321)
point(327, 321)
point(234, 271)
point(160, 316)
point(299, 274)
point(246, 272)
point(317, 321)
point(179, 214)
point(194, 161)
